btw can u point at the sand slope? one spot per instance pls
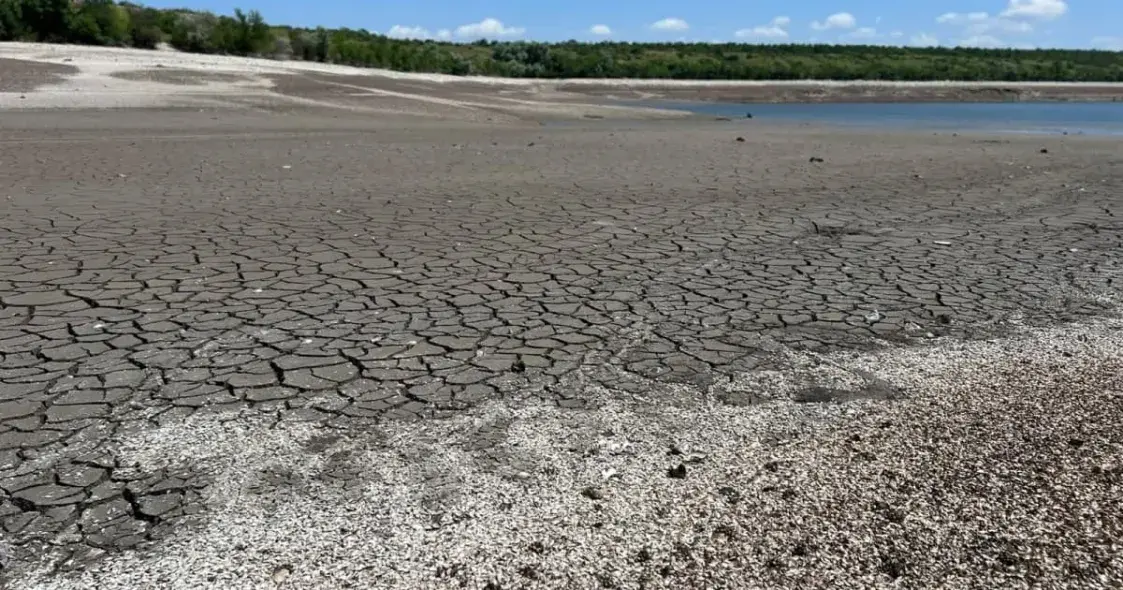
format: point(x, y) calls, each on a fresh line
point(34, 75)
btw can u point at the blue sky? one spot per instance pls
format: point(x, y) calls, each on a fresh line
point(1003, 23)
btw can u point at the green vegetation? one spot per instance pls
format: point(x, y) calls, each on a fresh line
point(105, 22)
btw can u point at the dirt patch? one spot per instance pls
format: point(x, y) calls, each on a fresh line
point(17, 75)
point(179, 77)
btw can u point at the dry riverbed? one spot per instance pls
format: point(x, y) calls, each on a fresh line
point(274, 330)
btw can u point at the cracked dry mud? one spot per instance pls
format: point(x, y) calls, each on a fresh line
point(358, 276)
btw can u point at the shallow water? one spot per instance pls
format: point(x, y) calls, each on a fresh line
point(1092, 118)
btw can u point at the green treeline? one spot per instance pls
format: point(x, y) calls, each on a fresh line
point(105, 22)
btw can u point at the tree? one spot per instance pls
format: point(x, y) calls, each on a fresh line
point(11, 20)
point(246, 33)
point(101, 22)
point(47, 20)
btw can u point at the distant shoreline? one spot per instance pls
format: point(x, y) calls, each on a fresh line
point(854, 92)
point(36, 75)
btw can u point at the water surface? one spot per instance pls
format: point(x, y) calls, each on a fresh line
point(1093, 118)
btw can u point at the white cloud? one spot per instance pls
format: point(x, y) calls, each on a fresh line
point(488, 28)
point(1108, 43)
point(982, 41)
point(839, 20)
point(1000, 25)
point(406, 32)
point(670, 24)
point(776, 29)
point(1042, 9)
point(960, 18)
point(924, 40)
point(444, 34)
point(982, 25)
point(862, 33)
point(897, 34)
point(600, 30)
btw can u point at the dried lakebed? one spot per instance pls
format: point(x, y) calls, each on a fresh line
point(250, 351)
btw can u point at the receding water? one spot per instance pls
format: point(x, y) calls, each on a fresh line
point(1092, 118)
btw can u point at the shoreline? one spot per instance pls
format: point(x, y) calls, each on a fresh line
point(69, 76)
point(820, 92)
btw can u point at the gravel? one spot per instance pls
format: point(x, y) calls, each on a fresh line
point(998, 466)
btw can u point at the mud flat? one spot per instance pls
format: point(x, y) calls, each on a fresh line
point(305, 346)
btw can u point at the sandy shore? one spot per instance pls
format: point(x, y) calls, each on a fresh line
point(54, 76)
point(307, 329)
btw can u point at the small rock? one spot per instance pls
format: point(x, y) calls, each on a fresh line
point(518, 366)
point(748, 115)
point(816, 160)
point(281, 573)
point(873, 317)
point(593, 493)
point(1075, 443)
point(803, 549)
point(677, 472)
point(731, 495)
point(741, 139)
point(942, 243)
point(1044, 151)
point(531, 144)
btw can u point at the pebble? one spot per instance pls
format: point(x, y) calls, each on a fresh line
point(593, 493)
point(281, 573)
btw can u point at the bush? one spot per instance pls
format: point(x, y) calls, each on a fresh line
point(84, 29)
point(11, 21)
point(194, 32)
point(282, 46)
point(147, 37)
